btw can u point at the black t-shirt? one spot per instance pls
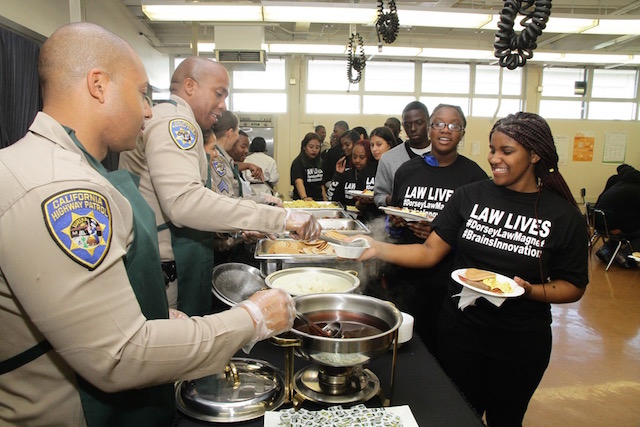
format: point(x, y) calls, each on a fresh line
point(351, 179)
point(500, 230)
point(621, 204)
point(332, 155)
point(425, 188)
point(311, 176)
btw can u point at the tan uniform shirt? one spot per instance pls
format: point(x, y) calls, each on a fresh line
point(90, 316)
point(173, 172)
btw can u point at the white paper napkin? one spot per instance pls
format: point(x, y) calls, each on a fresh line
point(468, 297)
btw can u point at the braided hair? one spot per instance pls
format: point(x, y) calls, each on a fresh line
point(533, 133)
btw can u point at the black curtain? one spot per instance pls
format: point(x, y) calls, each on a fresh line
point(20, 98)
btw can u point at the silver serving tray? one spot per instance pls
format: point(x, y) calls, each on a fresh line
point(346, 226)
point(262, 252)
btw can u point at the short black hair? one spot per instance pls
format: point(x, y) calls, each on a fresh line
point(258, 145)
point(243, 133)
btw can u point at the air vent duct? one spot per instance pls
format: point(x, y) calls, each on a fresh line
point(240, 47)
point(242, 60)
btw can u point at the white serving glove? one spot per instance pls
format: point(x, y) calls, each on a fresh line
point(268, 199)
point(302, 225)
point(273, 312)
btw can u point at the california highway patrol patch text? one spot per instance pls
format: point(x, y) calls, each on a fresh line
point(80, 223)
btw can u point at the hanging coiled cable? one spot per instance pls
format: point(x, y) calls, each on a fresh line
point(356, 60)
point(513, 50)
point(387, 24)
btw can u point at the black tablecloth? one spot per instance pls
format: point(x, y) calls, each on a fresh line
point(419, 383)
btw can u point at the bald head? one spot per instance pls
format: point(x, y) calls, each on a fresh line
point(204, 85)
point(74, 49)
point(195, 68)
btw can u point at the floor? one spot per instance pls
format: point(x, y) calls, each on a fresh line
point(593, 378)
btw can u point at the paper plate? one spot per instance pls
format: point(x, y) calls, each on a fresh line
point(516, 290)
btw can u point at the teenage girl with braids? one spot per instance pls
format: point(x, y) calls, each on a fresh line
point(524, 224)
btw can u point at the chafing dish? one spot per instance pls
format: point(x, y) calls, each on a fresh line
point(347, 226)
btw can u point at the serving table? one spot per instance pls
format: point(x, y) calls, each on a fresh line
point(418, 382)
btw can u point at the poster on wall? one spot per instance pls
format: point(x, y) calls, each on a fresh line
point(615, 146)
point(562, 147)
point(583, 144)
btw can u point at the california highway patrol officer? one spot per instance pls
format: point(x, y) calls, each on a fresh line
point(172, 165)
point(86, 333)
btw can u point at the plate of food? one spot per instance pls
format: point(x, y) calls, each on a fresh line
point(407, 214)
point(487, 283)
point(635, 256)
point(366, 194)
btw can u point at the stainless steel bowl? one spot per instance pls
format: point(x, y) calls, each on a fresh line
point(380, 319)
point(234, 282)
point(313, 280)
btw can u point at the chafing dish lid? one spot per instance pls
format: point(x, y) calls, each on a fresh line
point(234, 282)
point(243, 392)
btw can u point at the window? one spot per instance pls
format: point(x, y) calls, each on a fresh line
point(328, 75)
point(561, 109)
point(614, 84)
point(488, 80)
point(389, 77)
point(561, 81)
point(383, 104)
point(445, 78)
point(260, 91)
point(333, 103)
point(486, 107)
point(256, 102)
point(432, 102)
point(612, 110)
point(273, 77)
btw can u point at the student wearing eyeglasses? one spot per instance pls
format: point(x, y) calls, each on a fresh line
point(425, 183)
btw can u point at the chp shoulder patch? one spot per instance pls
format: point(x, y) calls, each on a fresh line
point(220, 168)
point(183, 133)
point(79, 221)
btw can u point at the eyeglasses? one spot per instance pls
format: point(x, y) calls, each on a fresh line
point(453, 127)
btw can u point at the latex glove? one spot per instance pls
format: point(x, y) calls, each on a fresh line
point(272, 311)
point(268, 199)
point(252, 236)
point(302, 225)
point(177, 314)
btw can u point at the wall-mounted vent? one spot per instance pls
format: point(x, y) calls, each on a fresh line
point(240, 47)
point(242, 59)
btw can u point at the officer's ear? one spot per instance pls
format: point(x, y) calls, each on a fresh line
point(189, 85)
point(97, 83)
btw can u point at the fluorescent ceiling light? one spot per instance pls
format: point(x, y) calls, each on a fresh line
point(457, 54)
point(392, 51)
point(324, 49)
point(319, 12)
point(616, 27)
point(206, 47)
point(579, 58)
point(555, 24)
point(431, 18)
point(202, 12)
